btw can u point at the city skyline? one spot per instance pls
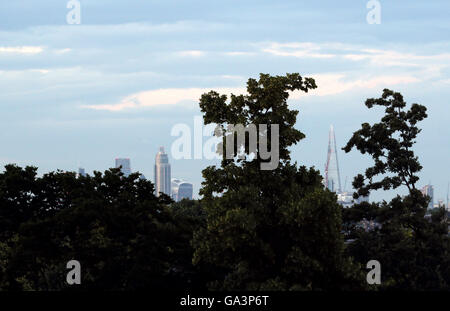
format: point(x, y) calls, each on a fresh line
point(223, 154)
point(330, 174)
point(79, 95)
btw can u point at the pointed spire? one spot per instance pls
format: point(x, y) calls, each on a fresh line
point(332, 176)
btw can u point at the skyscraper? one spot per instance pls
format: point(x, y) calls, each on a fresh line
point(81, 172)
point(332, 177)
point(181, 190)
point(162, 173)
point(428, 190)
point(124, 165)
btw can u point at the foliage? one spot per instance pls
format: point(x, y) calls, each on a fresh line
point(253, 229)
point(269, 229)
point(412, 246)
point(122, 234)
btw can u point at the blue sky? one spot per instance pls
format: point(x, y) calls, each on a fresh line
point(82, 95)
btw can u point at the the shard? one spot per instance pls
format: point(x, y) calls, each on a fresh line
point(332, 177)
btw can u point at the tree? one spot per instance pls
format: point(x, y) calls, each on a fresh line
point(412, 249)
point(122, 234)
point(268, 229)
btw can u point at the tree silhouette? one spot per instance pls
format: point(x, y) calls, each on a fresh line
point(269, 229)
point(413, 249)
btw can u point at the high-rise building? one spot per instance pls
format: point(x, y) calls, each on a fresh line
point(81, 172)
point(181, 190)
point(124, 165)
point(428, 190)
point(332, 178)
point(439, 203)
point(162, 173)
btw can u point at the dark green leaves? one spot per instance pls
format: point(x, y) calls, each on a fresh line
point(389, 144)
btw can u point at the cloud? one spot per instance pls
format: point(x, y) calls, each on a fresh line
point(21, 49)
point(395, 58)
point(239, 53)
point(62, 51)
point(191, 53)
point(299, 49)
point(356, 53)
point(162, 97)
point(43, 71)
point(329, 84)
point(336, 83)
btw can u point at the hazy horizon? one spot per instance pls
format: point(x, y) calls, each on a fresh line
point(82, 95)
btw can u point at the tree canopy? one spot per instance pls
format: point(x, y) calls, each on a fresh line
point(269, 229)
point(252, 229)
point(413, 249)
point(122, 234)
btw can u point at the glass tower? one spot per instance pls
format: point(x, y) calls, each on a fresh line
point(332, 177)
point(162, 173)
point(124, 165)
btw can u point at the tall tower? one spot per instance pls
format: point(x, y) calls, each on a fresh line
point(124, 165)
point(428, 190)
point(162, 173)
point(332, 177)
point(81, 172)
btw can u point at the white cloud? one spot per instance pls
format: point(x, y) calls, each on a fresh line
point(62, 51)
point(328, 84)
point(191, 53)
point(21, 49)
point(394, 58)
point(43, 71)
point(375, 57)
point(164, 97)
point(298, 49)
point(239, 53)
point(336, 83)
point(233, 77)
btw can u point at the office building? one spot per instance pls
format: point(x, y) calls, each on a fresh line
point(162, 173)
point(181, 190)
point(81, 172)
point(428, 191)
point(124, 165)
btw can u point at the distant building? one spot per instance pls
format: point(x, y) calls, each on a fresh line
point(428, 191)
point(81, 172)
point(332, 177)
point(124, 165)
point(439, 204)
point(346, 199)
point(181, 190)
point(162, 173)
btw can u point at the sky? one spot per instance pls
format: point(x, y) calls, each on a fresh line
point(115, 85)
